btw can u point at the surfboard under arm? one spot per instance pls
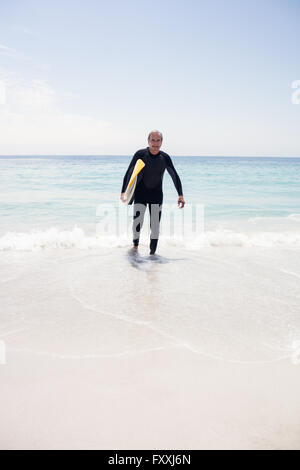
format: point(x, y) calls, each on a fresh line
point(132, 182)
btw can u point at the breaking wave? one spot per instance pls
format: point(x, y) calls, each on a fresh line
point(55, 237)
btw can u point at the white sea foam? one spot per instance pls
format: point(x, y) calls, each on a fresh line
point(55, 237)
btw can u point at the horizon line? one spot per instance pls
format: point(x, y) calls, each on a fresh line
point(130, 155)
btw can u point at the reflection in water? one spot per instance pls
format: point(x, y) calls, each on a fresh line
point(143, 262)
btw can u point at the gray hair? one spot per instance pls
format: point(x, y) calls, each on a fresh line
point(155, 130)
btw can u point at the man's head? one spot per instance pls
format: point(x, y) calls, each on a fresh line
point(155, 139)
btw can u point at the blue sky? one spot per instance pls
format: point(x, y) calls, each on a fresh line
point(93, 77)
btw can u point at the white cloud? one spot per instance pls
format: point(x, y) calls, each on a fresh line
point(45, 67)
point(36, 95)
point(13, 53)
point(32, 121)
point(29, 32)
point(7, 51)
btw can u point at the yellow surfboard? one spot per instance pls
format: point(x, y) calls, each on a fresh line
point(132, 182)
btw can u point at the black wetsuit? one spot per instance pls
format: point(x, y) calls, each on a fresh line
point(149, 188)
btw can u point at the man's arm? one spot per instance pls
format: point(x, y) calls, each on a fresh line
point(174, 175)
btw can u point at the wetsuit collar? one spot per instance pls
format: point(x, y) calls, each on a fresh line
point(152, 153)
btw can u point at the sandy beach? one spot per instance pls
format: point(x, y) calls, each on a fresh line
point(165, 399)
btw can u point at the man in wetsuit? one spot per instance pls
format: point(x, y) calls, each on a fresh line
point(149, 187)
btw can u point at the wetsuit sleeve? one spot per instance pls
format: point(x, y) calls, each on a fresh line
point(174, 175)
point(129, 171)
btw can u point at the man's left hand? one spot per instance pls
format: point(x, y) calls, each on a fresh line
point(181, 202)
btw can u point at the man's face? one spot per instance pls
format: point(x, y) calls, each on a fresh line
point(154, 143)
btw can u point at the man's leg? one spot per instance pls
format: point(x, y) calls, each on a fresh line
point(138, 220)
point(155, 215)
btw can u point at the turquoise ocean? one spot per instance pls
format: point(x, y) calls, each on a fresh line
point(46, 192)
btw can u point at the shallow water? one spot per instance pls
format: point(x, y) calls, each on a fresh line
point(233, 304)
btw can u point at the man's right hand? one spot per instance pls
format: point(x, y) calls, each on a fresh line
point(122, 197)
